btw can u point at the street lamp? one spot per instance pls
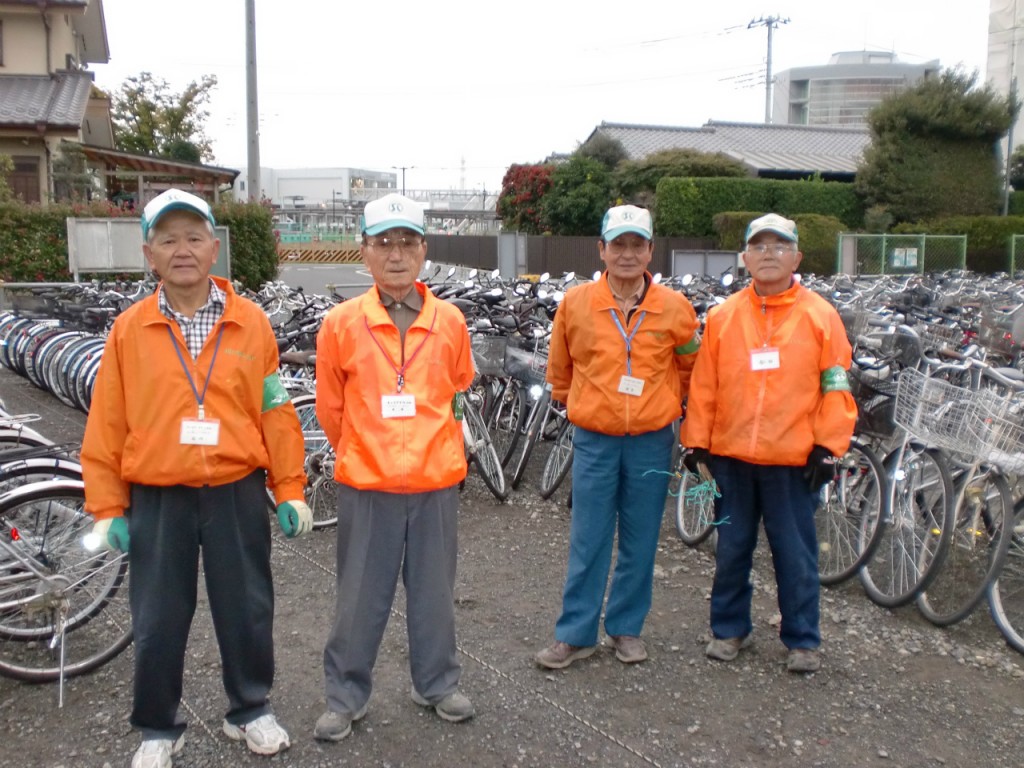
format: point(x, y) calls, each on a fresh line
point(403, 169)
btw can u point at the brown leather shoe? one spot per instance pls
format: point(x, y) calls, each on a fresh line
point(561, 655)
point(628, 649)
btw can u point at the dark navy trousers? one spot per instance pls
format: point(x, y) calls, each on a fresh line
point(781, 498)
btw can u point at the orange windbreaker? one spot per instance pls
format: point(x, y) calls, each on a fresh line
point(771, 416)
point(142, 394)
point(587, 358)
point(357, 352)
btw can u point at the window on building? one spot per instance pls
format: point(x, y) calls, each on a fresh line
point(24, 179)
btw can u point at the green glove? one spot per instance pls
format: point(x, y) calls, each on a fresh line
point(111, 533)
point(295, 517)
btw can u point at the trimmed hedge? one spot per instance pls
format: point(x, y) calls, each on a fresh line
point(34, 240)
point(687, 206)
point(818, 237)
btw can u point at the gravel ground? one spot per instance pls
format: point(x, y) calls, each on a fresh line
point(893, 689)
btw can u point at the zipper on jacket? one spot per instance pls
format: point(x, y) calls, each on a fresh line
point(761, 390)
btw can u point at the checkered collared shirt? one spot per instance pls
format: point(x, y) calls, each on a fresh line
point(198, 327)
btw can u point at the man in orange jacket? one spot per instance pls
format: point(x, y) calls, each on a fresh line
point(769, 409)
point(621, 353)
point(389, 364)
point(188, 426)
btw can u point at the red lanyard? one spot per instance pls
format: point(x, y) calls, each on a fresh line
point(405, 364)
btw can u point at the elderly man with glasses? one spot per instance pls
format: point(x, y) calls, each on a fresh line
point(389, 364)
point(769, 409)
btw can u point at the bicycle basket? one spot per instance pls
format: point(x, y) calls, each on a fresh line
point(855, 321)
point(936, 336)
point(1003, 435)
point(527, 365)
point(489, 354)
point(942, 414)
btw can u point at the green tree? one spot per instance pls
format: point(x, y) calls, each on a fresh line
point(6, 168)
point(933, 149)
point(581, 190)
point(150, 119)
point(1017, 168)
point(603, 148)
point(637, 180)
point(72, 180)
point(521, 193)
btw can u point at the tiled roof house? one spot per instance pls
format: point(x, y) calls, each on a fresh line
point(47, 97)
point(770, 151)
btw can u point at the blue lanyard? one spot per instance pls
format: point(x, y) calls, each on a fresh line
point(209, 372)
point(628, 339)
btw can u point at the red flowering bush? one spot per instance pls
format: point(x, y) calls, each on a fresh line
point(521, 192)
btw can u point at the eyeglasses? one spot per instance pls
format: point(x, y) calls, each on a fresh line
point(405, 243)
point(777, 249)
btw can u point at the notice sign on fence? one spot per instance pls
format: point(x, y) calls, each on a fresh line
point(904, 258)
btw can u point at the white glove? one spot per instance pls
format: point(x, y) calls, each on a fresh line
point(295, 517)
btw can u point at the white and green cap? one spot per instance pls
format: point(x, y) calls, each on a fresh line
point(174, 200)
point(626, 218)
point(772, 222)
point(390, 212)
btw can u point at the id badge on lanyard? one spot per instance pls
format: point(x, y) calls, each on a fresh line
point(397, 406)
point(199, 432)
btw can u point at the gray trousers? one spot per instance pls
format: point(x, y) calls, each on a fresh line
point(379, 536)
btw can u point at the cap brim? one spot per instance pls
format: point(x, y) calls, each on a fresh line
point(175, 206)
point(383, 226)
point(780, 232)
point(611, 234)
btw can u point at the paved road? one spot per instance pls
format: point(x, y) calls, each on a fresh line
point(350, 279)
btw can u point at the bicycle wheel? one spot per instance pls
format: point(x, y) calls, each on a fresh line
point(14, 474)
point(534, 427)
point(1006, 593)
point(559, 460)
point(46, 575)
point(481, 450)
point(321, 491)
point(506, 419)
point(981, 539)
point(850, 514)
point(695, 509)
point(919, 528)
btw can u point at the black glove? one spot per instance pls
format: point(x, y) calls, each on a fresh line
point(697, 456)
point(820, 468)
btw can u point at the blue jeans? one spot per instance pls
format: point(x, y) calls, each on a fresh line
point(779, 496)
point(618, 482)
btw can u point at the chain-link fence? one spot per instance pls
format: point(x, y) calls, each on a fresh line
point(900, 254)
point(1016, 246)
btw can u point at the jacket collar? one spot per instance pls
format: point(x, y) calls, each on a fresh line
point(377, 314)
point(151, 310)
point(652, 301)
point(787, 297)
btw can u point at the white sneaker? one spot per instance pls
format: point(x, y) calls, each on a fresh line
point(156, 753)
point(264, 735)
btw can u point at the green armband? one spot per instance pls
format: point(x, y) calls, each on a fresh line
point(689, 347)
point(274, 393)
point(834, 379)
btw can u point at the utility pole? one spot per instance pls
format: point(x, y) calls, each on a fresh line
point(403, 169)
point(252, 177)
point(771, 23)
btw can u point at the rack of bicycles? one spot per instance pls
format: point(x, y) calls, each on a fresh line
point(926, 508)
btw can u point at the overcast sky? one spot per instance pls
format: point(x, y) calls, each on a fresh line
point(457, 90)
